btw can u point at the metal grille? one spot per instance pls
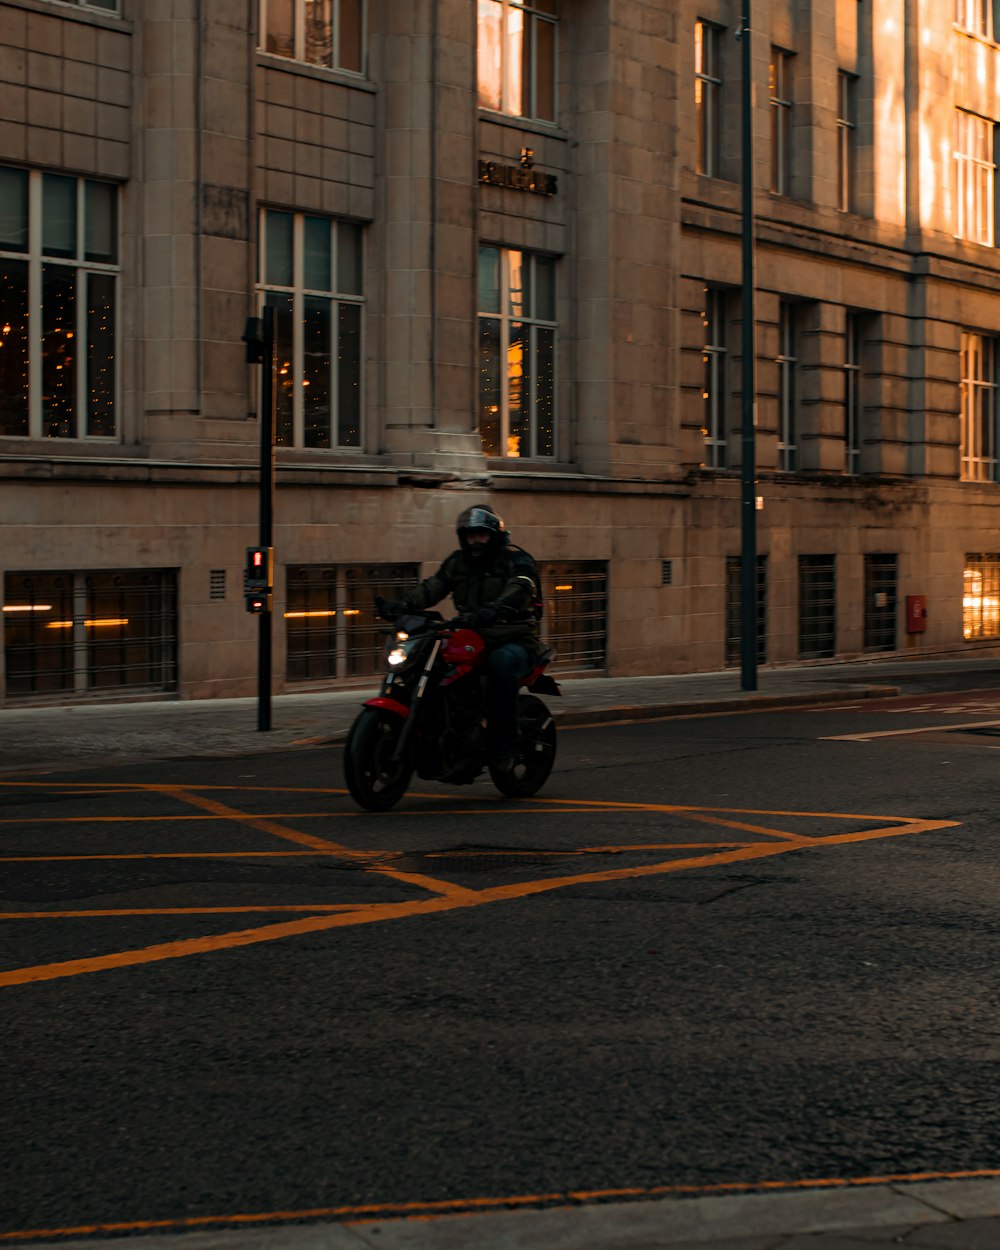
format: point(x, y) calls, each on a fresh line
point(881, 573)
point(576, 613)
point(734, 610)
point(817, 607)
point(76, 633)
point(217, 584)
point(666, 573)
point(330, 625)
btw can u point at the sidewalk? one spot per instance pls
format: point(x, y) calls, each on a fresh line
point(933, 1215)
point(84, 735)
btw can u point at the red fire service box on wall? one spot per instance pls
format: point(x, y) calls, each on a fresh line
point(916, 614)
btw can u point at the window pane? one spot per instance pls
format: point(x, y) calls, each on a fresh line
point(545, 288)
point(38, 645)
point(13, 210)
point(349, 376)
point(316, 261)
point(518, 66)
point(14, 350)
point(349, 259)
point(519, 391)
point(101, 355)
point(100, 223)
point(518, 294)
point(278, 269)
point(489, 279)
point(58, 351)
point(280, 36)
point(58, 215)
point(351, 19)
point(319, 32)
point(545, 392)
point(545, 70)
point(489, 385)
point(490, 41)
point(316, 325)
point(284, 421)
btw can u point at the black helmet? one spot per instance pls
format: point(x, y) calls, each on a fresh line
point(480, 517)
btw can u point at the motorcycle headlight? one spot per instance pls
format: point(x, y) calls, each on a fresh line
point(401, 651)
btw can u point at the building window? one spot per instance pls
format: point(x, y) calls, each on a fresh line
point(319, 32)
point(847, 127)
point(734, 610)
point(517, 57)
point(780, 79)
point(707, 97)
point(787, 400)
point(517, 352)
point(330, 626)
point(881, 572)
point(981, 597)
point(575, 620)
point(975, 166)
point(713, 320)
point(59, 256)
point(313, 279)
point(817, 607)
point(82, 633)
point(975, 16)
point(852, 392)
point(978, 420)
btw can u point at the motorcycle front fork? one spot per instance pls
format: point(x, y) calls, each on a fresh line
point(408, 727)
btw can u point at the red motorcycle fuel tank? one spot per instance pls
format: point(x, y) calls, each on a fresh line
point(464, 647)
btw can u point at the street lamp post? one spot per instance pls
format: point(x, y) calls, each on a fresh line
point(748, 474)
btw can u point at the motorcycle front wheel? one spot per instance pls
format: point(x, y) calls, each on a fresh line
point(375, 780)
point(536, 751)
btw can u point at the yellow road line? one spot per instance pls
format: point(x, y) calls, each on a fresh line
point(310, 908)
point(433, 906)
point(900, 733)
point(377, 1212)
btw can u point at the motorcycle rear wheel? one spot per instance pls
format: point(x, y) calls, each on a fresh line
point(536, 751)
point(375, 781)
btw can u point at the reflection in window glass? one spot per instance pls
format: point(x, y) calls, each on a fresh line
point(318, 327)
point(517, 351)
point(981, 596)
point(517, 57)
point(318, 32)
point(60, 244)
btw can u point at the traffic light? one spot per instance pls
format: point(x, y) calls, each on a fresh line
point(259, 579)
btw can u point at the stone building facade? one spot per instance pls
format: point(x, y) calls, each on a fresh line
point(502, 245)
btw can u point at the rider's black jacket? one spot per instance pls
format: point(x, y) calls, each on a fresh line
point(506, 580)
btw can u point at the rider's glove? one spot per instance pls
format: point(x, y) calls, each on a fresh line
point(389, 609)
point(484, 618)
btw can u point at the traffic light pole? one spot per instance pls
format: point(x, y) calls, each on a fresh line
point(266, 529)
point(748, 472)
point(259, 586)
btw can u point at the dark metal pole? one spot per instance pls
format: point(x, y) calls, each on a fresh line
point(748, 476)
point(266, 514)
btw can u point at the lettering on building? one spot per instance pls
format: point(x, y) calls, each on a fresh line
point(522, 177)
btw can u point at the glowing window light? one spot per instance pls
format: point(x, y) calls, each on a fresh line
point(27, 607)
point(299, 615)
point(564, 587)
point(95, 624)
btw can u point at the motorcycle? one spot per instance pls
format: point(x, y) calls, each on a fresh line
point(430, 718)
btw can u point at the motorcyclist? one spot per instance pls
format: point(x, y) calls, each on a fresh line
point(495, 585)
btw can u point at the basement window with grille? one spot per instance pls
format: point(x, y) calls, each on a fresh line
point(81, 634)
point(817, 607)
point(576, 613)
point(330, 625)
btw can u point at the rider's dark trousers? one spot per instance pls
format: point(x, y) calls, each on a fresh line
point(505, 667)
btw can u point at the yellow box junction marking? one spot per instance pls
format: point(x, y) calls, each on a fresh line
point(443, 895)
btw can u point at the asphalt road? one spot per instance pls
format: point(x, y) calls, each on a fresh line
point(719, 950)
